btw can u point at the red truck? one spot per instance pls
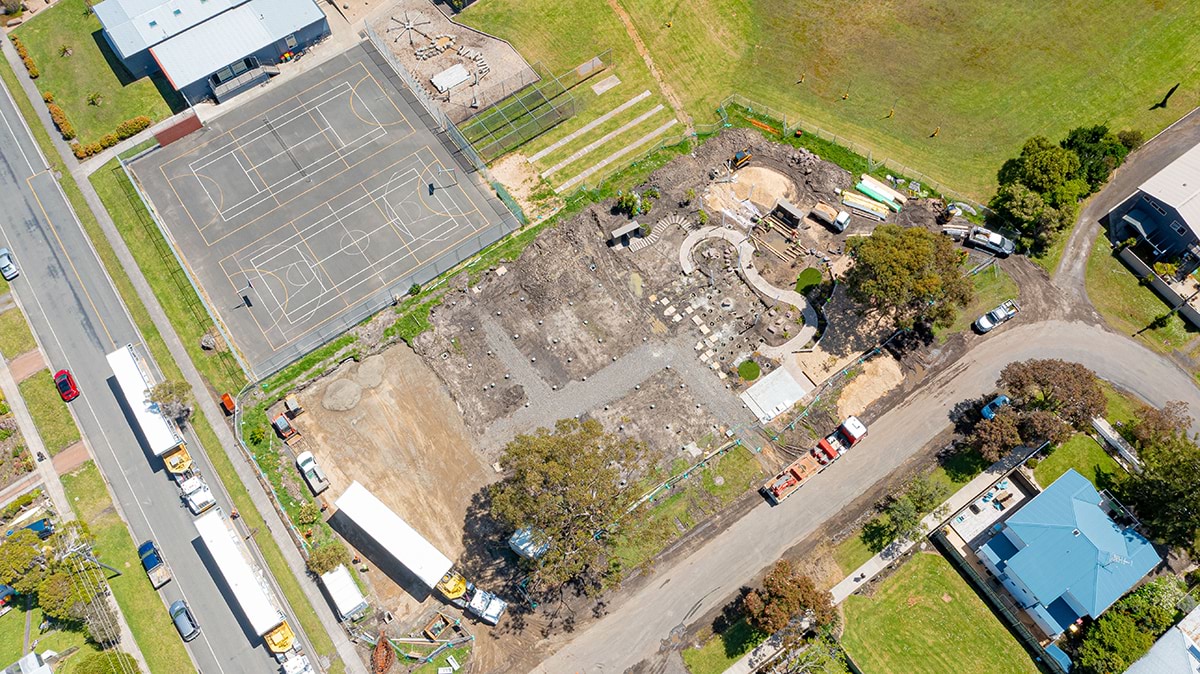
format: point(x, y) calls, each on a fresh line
point(788, 480)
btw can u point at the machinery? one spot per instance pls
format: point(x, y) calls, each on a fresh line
point(740, 159)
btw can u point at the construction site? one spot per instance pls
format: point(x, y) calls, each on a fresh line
point(682, 328)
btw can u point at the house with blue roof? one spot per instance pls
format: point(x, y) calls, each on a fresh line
point(209, 48)
point(1063, 558)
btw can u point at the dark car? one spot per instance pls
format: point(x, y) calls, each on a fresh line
point(65, 384)
point(184, 621)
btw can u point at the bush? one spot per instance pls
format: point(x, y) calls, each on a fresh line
point(29, 65)
point(48, 97)
point(131, 127)
point(109, 139)
point(327, 558)
point(308, 515)
point(60, 120)
point(256, 435)
point(1131, 139)
point(23, 501)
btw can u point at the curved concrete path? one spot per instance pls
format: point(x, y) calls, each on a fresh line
point(745, 249)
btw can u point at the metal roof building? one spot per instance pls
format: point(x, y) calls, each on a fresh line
point(202, 46)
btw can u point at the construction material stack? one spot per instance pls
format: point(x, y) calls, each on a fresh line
point(829, 449)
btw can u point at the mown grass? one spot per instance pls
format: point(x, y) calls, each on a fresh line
point(808, 279)
point(1121, 407)
point(1083, 454)
point(91, 68)
point(139, 602)
point(722, 650)
point(12, 634)
point(925, 618)
point(15, 337)
point(1130, 307)
point(992, 286)
point(54, 423)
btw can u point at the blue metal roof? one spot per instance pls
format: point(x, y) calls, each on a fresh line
point(1071, 545)
point(1060, 656)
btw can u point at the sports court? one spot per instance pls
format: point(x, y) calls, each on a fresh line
point(310, 207)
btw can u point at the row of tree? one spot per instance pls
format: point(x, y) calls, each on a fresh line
point(1040, 189)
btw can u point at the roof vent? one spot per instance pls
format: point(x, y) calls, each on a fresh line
point(177, 12)
point(1075, 532)
point(153, 24)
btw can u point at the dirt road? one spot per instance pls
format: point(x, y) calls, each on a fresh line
point(677, 594)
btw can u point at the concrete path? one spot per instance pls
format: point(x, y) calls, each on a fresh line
point(26, 365)
point(745, 249)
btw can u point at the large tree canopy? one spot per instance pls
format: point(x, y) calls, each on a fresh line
point(566, 485)
point(910, 272)
point(1070, 390)
point(1166, 493)
point(785, 595)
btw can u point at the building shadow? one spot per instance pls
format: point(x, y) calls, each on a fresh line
point(156, 464)
point(379, 556)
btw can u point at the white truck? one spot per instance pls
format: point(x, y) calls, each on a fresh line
point(988, 322)
point(411, 550)
point(313, 475)
point(248, 587)
point(992, 242)
point(195, 494)
point(827, 214)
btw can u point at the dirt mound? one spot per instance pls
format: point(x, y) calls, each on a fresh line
point(370, 372)
point(341, 396)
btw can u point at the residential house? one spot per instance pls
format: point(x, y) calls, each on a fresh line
point(1176, 652)
point(1063, 558)
point(1164, 213)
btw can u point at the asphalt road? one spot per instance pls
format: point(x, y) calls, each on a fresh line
point(678, 594)
point(78, 318)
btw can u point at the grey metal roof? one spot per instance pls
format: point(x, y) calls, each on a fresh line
point(204, 49)
point(1178, 186)
point(136, 25)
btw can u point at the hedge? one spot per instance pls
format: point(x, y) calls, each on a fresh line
point(127, 129)
point(60, 120)
point(24, 54)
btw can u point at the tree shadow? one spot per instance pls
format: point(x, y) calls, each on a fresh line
point(876, 535)
point(962, 463)
point(966, 414)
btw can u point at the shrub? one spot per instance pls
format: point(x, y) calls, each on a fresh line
point(327, 558)
point(309, 514)
point(109, 140)
point(256, 435)
point(29, 65)
point(48, 97)
point(60, 120)
point(132, 127)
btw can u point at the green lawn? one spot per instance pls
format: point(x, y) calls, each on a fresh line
point(60, 641)
point(1083, 454)
point(1121, 406)
point(678, 510)
point(49, 412)
point(722, 650)
point(992, 286)
point(91, 68)
point(991, 74)
point(852, 552)
point(809, 278)
point(15, 337)
point(926, 618)
point(12, 634)
point(139, 602)
point(1130, 307)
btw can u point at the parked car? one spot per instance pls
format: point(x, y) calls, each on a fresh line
point(8, 266)
point(992, 242)
point(184, 621)
point(989, 410)
point(988, 322)
point(65, 383)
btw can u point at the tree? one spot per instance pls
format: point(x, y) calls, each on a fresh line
point(997, 436)
point(62, 596)
point(1070, 390)
point(911, 273)
point(1166, 492)
point(22, 562)
point(1132, 139)
point(567, 484)
point(1037, 221)
point(926, 493)
point(11, 6)
point(1099, 152)
point(785, 595)
point(174, 398)
point(1155, 605)
point(101, 621)
point(1111, 644)
point(1038, 426)
point(107, 662)
point(904, 519)
point(327, 558)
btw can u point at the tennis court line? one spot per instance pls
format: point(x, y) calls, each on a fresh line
point(590, 125)
point(603, 139)
point(616, 155)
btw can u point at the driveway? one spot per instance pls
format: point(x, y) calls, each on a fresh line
point(674, 595)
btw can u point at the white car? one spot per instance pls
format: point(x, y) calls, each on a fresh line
point(987, 322)
point(8, 266)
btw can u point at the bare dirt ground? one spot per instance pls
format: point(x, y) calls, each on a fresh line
point(514, 171)
point(387, 423)
point(878, 376)
point(500, 69)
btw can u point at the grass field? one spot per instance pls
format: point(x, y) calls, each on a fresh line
point(988, 74)
point(139, 602)
point(1083, 454)
point(992, 286)
point(925, 618)
point(91, 68)
point(15, 337)
point(1121, 407)
point(722, 650)
point(1128, 306)
point(54, 423)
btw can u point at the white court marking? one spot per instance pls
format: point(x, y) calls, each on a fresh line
point(237, 144)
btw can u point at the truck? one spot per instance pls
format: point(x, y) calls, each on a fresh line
point(195, 494)
point(154, 564)
point(787, 481)
point(313, 475)
point(835, 219)
point(249, 589)
point(992, 242)
point(160, 432)
point(410, 549)
point(988, 322)
point(837, 443)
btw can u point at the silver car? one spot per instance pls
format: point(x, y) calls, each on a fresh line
point(181, 615)
point(8, 266)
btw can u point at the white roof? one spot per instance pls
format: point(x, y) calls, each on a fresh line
point(393, 534)
point(1178, 186)
point(245, 582)
point(775, 394)
point(160, 432)
point(135, 25)
point(347, 598)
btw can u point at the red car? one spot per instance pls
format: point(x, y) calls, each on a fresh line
point(65, 384)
